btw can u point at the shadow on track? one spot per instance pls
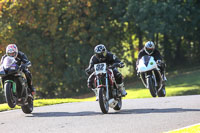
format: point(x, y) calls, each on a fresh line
point(146, 111)
point(125, 111)
point(62, 114)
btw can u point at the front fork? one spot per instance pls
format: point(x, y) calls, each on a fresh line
point(147, 76)
point(13, 85)
point(107, 90)
point(154, 77)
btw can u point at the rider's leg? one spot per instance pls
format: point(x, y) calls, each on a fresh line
point(162, 68)
point(29, 81)
point(119, 81)
point(90, 83)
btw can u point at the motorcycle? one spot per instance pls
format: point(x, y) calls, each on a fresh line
point(108, 93)
point(15, 85)
point(151, 77)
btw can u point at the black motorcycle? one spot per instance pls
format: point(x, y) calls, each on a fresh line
point(15, 85)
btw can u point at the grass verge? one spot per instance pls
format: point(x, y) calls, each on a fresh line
point(44, 102)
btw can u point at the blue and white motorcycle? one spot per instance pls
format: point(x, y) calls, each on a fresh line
point(151, 77)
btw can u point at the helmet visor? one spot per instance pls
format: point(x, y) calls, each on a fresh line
point(101, 55)
point(149, 50)
point(12, 54)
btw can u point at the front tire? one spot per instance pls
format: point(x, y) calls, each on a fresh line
point(27, 109)
point(151, 87)
point(119, 104)
point(102, 101)
point(9, 95)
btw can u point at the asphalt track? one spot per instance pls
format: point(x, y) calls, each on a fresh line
point(149, 115)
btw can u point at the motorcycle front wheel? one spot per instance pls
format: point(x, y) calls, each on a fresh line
point(102, 100)
point(9, 95)
point(151, 87)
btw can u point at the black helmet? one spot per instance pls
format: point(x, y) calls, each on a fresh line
point(100, 51)
point(149, 47)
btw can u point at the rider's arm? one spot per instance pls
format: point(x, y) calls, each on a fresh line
point(113, 58)
point(157, 55)
point(141, 53)
point(91, 66)
point(117, 61)
point(2, 59)
point(24, 59)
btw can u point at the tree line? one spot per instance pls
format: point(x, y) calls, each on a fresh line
point(59, 36)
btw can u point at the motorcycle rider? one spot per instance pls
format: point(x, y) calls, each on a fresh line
point(101, 55)
point(22, 61)
point(149, 49)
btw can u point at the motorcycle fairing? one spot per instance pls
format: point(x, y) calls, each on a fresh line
point(147, 63)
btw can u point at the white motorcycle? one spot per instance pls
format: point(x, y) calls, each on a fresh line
point(151, 77)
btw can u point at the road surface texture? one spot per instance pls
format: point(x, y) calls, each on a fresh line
point(149, 115)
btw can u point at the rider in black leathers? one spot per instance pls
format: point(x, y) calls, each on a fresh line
point(103, 56)
point(149, 49)
point(22, 61)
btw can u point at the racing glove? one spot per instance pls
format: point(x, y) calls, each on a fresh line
point(159, 62)
point(121, 65)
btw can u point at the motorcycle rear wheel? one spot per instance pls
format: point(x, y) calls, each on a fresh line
point(27, 109)
point(102, 101)
point(9, 95)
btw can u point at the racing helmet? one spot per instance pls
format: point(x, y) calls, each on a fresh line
point(149, 47)
point(12, 50)
point(100, 51)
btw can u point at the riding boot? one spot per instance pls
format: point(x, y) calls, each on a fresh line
point(164, 77)
point(122, 89)
point(32, 90)
point(91, 86)
point(96, 93)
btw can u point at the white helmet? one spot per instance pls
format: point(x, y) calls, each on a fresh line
point(149, 47)
point(12, 50)
point(100, 51)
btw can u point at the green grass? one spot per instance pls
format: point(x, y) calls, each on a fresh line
point(191, 129)
point(178, 84)
point(44, 102)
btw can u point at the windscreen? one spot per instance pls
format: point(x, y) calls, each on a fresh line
point(146, 59)
point(8, 62)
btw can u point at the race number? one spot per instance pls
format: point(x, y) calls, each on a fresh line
point(100, 68)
